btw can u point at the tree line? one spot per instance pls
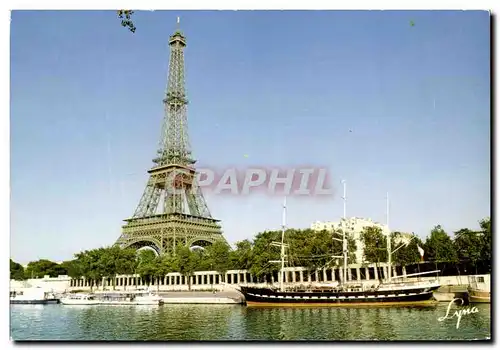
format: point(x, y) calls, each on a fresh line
point(470, 247)
point(306, 247)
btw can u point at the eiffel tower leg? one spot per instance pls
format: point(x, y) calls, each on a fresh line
point(197, 203)
point(149, 201)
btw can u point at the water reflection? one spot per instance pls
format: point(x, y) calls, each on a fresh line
point(234, 322)
point(357, 324)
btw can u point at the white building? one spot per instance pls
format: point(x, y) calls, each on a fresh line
point(354, 226)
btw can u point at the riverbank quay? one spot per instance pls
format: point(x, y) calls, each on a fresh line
point(449, 292)
point(202, 297)
point(205, 282)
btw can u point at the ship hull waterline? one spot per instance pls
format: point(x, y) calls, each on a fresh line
point(268, 297)
point(478, 296)
point(35, 302)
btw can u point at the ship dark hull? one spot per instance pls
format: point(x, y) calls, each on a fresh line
point(267, 296)
point(37, 302)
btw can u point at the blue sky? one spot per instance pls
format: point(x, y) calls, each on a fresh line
point(284, 88)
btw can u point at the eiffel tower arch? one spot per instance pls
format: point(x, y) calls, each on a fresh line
point(172, 211)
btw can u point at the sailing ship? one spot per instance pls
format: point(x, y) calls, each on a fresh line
point(346, 293)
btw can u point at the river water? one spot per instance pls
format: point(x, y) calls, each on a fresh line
point(237, 322)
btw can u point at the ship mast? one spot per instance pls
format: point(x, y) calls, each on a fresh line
point(282, 245)
point(389, 248)
point(283, 228)
point(344, 240)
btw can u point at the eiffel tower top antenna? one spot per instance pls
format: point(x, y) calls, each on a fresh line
point(178, 26)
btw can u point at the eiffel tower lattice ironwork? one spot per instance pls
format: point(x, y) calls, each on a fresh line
point(172, 210)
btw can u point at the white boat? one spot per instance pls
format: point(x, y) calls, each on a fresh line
point(148, 298)
point(79, 299)
point(140, 297)
point(32, 295)
point(479, 289)
point(113, 298)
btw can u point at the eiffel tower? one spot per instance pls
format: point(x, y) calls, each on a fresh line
point(172, 210)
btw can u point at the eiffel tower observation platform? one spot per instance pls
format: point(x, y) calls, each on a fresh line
point(172, 211)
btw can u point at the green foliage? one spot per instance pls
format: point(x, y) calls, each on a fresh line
point(314, 249)
point(145, 256)
point(73, 269)
point(375, 244)
point(217, 255)
point(114, 261)
point(439, 247)
point(187, 261)
point(16, 271)
point(146, 265)
point(167, 264)
point(89, 263)
point(126, 261)
point(147, 271)
point(263, 252)
point(125, 16)
point(405, 254)
point(43, 267)
point(468, 245)
point(241, 257)
point(486, 247)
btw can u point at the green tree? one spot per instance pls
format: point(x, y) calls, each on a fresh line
point(375, 245)
point(406, 254)
point(147, 265)
point(41, 268)
point(186, 261)
point(16, 271)
point(203, 261)
point(89, 262)
point(147, 271)
point(165, 265)
point(127, 262)
point(241, 257)
point(218, 255)
point(439, 246)
point(73, 269)
point(158, 271)
point(263, 253)
point(469, 246)
point(485, 225)
point(145, 255)
point(117, 261)
point(315, 249)
point(107, 263)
